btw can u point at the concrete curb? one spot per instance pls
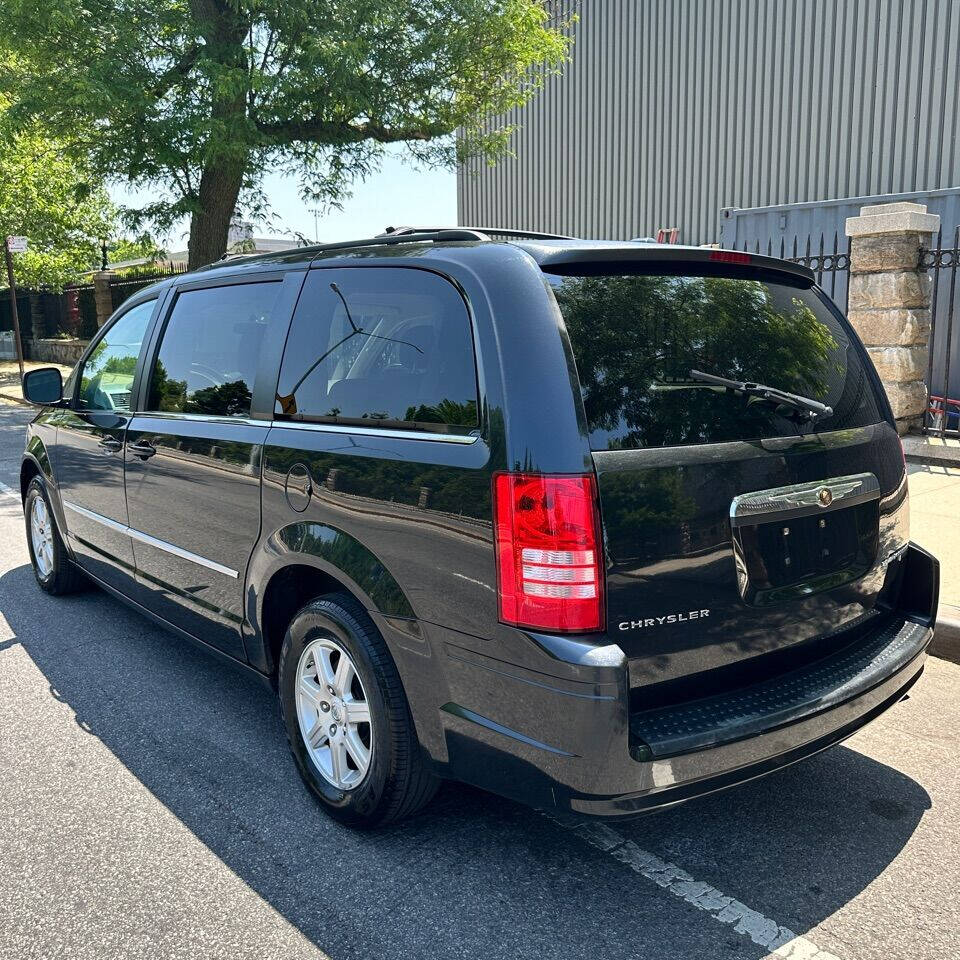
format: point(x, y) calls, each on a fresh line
point(946, 638)
point(931, 450)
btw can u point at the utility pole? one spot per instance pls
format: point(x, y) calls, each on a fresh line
point(19, 244)
point(316, 224)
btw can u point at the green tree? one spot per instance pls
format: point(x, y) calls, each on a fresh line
point(142, 247)
point(49, 194)
point(202, 96)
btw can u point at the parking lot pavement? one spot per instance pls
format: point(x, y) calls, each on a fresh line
point(150, 809)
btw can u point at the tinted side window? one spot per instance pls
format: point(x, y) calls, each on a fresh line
point(209, 350)
point(388, 345)
point(107, 375)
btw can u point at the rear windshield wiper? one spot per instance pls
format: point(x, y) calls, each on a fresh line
point(812, 407)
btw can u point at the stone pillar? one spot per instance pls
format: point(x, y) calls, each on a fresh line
point(101, 294)
point(889, 302)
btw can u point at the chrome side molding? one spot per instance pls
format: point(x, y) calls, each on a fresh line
point(135, 534)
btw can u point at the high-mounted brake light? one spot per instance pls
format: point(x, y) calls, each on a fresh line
point(730, 256)
point(547, 535)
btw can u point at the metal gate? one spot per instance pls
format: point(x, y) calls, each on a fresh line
point(943, 369)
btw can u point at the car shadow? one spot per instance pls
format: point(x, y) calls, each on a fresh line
point(475, 875)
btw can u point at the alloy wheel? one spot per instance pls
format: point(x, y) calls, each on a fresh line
point(41, 536)
point(333, 713)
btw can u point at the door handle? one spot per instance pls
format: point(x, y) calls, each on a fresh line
point(142, 450)
point(109, 445)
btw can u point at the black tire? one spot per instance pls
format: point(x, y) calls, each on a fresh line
point(63, 577)
point(397, 782)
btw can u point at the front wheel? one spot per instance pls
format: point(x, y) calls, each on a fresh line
point(48, 555)
point(347, 718)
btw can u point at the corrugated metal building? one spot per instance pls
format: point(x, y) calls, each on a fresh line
point(671, 110)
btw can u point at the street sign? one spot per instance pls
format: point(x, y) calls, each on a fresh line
point(17, 244)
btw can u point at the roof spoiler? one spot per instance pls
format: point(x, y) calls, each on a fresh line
point(567, 260)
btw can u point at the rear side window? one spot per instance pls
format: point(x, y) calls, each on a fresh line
point(210, 348)
point(382, 346)
point(636, 338)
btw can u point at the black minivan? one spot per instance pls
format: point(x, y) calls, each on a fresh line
point(597, 526)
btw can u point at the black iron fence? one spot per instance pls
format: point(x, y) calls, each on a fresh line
point(23, 310)
point(943, 371)
point(74, 311)
point(828, 258)
point(126, 284)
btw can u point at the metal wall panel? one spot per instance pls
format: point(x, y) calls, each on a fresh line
point(671, 110)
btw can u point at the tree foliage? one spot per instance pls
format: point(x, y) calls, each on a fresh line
point(142, 247)
point(201, 97)
point(49, 194)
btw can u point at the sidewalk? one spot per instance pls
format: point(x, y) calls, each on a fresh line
point(935, 525)
point(10, 391)
point(935, 521)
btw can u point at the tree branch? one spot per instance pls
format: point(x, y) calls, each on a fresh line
point(316, 130)
point(178, 71)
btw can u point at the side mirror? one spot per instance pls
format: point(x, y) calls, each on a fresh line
point(43, 386)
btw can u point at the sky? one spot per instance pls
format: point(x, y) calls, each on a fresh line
point(398, 195)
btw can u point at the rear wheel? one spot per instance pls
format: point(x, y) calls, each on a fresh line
point(347, 717)
point(48, 555)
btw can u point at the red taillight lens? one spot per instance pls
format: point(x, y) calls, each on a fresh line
point(548, 552)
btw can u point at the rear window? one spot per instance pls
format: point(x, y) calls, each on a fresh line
point(636, 338)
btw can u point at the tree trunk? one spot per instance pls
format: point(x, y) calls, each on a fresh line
point(220, 185)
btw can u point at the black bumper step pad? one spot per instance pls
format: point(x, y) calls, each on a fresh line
point(783, 699)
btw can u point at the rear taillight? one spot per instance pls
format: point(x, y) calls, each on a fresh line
point(547, 535)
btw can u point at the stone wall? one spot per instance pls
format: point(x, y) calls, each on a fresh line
point(889, 300)
point(62, 351)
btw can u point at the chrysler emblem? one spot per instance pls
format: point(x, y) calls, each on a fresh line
point(825, 496)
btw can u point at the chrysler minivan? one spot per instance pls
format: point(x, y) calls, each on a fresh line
point(596, 526)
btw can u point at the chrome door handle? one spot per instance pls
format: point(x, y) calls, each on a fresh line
point(142, 450)
point(109, 445)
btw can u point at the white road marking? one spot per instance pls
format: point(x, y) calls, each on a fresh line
point(9, 491)
point(778, 940)
point(479, 583)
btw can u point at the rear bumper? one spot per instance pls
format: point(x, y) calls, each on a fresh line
point(676, 779)
point(564, 738)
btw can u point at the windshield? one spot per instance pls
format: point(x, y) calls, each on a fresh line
point(636, 338)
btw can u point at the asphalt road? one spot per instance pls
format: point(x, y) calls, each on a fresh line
point(150, 809)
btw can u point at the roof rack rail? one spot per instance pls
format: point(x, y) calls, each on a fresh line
point(480, 233)
point(447, 233)
point(395, 235)
point(429, 233)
